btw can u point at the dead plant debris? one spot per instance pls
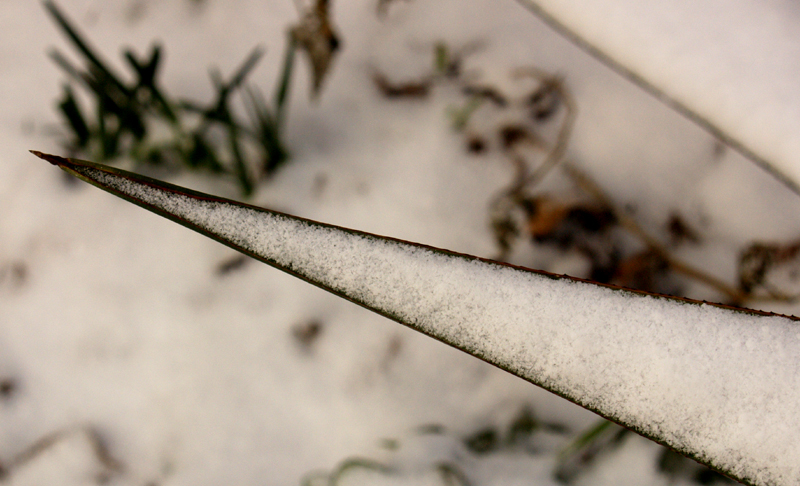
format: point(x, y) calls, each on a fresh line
point(8, 386)
point(232, 264)
point(680, 232)
point(512, 134)
point(487, 93)
point(759, 260)
point(15, 273)
point(594, 225)
point(307, 333)
point(316, 36)
point(476, 144)
point(547, 99)
point(407, 89)
point(110, 465)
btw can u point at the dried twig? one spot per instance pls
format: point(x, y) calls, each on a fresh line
point(98, 445)
point(551, 86)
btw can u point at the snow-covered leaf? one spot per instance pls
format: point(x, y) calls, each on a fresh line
point(715, 383)
point(730, 66)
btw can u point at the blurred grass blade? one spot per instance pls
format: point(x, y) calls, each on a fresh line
point(72, 112)
point(147, 72)
point(282, 92)
point(67, 67)
point(240, 167)
point(266, 131)
point(81, 45)
point(244, 70)
point(715, 383)
point(123, 118)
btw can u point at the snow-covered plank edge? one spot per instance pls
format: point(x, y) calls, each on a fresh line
point(573, 34)
point(713, 382)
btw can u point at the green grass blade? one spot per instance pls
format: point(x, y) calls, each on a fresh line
point(282, 92)
point(244, 70)
point(72, 113)
point(81, 45)
point(715, 383)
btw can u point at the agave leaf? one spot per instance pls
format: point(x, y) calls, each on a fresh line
point(700, 48)
point(715, 383)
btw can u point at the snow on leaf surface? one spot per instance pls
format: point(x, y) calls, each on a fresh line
point(715, 383)
point(730, 65)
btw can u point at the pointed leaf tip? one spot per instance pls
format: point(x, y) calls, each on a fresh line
point(53, 159)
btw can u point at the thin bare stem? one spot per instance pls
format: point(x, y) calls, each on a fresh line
point(565, 131)
point(98, 445)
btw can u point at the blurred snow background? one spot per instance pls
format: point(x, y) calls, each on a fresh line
point(118, 322)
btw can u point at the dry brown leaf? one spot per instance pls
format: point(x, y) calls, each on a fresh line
point(407, 89)
point(317, 38)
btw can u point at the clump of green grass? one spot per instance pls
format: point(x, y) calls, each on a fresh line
point(140, 121)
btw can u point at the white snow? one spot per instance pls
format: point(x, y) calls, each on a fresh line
point(115, 318)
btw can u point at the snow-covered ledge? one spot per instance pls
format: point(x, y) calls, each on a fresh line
point(715, 383)
point(731, 66)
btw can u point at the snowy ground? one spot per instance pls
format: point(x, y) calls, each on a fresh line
point(117, 320)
